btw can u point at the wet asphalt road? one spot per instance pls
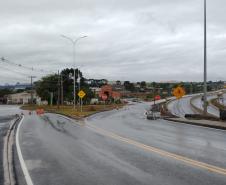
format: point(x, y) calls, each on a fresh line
point(6, 115)
point(224, 100)
point(8, 110)
point(181, 107)
point(210, 109)
point(60, 151)
point(4, 125)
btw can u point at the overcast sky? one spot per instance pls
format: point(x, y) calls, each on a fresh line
point(151, 40)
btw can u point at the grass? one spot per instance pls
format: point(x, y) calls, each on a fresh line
point(87, 110)
point(217, 104)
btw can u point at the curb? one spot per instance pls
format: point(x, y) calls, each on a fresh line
point(200, 111)
point(8, 167)
point(197, 124)
point(84, 117)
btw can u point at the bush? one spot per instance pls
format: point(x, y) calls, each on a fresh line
point(118, 102)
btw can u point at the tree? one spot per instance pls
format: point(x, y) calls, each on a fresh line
point(4, 92)
point(118, 82)
point(143, 84)
point(51, 83)
point(68, 85)
point(129, 86)
point(46, 86)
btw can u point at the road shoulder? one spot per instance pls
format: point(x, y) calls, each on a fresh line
point(204, 123)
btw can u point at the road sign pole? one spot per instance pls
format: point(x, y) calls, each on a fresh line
point(81, 95)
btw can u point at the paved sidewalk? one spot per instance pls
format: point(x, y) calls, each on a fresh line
point(204, 123)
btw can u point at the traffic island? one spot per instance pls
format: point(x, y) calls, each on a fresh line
point(87, 110)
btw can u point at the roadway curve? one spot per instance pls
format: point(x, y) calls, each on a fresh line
point(181, 107)
point(120, 147)
point(6, 116)
point(211, 109)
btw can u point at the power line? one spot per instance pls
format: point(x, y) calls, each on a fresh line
point(14, 71)
point(4, 60)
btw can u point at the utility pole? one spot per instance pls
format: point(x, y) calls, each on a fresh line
point(74, 90)
point(205, 65)
point(51, 98)
point(62, 90)
point(191, 88)
point(32, 77)
point(154, 91)
point(58, 94)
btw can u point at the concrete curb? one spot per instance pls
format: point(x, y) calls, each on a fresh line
point(200, 111)
point(196, 123)
point(8, 167)
point(84, 117)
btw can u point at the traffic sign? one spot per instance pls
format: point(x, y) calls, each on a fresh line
point(179, 92)
point(157, 97)
point(81, 94)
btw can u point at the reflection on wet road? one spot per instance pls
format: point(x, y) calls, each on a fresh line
point(120, 147)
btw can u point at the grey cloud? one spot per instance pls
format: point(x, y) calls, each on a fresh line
point(129, 39)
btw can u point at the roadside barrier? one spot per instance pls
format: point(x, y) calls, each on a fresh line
point(40, 111)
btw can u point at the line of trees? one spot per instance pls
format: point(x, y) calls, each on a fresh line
point(62, 85)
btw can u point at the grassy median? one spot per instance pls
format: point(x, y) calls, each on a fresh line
point(217, 104)
point(87, 110)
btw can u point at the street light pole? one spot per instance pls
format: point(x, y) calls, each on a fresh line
point(74, 92)
point(205, 65)
point(79, 86)
point(73, 43)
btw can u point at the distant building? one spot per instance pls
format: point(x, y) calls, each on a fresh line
point(22, 98)
point(96, 82)
point(109, 92)
point(17, 86)
point(95, 90)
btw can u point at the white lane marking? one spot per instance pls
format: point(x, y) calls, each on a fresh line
point(21, 159)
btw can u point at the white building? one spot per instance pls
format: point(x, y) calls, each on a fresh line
point(22, 98)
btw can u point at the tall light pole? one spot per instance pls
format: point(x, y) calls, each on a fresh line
point(205, 65)
point(73, 41)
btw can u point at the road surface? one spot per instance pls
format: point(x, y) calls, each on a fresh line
point(211, 109)
point(121, 147)
point(6, 113)
point(181, 107)
point(224, 99)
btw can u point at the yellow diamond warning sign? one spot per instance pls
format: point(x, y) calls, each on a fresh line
point(81, 94)
point(179, 92)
